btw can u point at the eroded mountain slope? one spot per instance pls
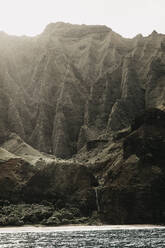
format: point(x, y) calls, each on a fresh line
point(83, 92)
point(74, 83)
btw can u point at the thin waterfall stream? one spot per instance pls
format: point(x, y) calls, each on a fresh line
point(97, 200)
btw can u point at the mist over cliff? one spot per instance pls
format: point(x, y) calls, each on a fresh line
point(88, 93)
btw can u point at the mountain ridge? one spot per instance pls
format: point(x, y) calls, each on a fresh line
point(83, 102)
point(49, 65)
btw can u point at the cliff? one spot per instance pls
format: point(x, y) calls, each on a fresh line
point(74, 83)
point(86, 94)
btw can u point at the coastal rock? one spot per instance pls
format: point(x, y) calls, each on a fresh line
point(133, 191)
point(88, 95)
point(60, 183)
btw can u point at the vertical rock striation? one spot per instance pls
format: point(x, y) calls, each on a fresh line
point(73, 83)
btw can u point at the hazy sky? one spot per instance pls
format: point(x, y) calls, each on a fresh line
point(127, 17)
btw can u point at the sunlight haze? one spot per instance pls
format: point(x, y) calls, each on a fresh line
point(126, 17)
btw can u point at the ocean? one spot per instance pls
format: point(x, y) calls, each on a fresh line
point(83, 236)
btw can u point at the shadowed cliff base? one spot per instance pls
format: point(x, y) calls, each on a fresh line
point(120, 181)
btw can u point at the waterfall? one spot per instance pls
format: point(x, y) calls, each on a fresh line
point(97, 200)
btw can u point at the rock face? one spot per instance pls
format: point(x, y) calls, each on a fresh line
point(84, 91)
point(60, 184)
point(73, 83)
point(69, 184)
point(134, 175)
point(39, 188)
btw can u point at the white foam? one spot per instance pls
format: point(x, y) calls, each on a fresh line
point(72, 228)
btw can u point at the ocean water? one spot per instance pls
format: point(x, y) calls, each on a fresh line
point(75, 237)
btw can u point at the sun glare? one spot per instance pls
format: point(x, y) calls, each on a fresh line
point(126, 17)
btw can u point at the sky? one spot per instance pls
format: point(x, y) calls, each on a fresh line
point(126, 17)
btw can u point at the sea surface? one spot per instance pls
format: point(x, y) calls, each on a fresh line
point(83, 236)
